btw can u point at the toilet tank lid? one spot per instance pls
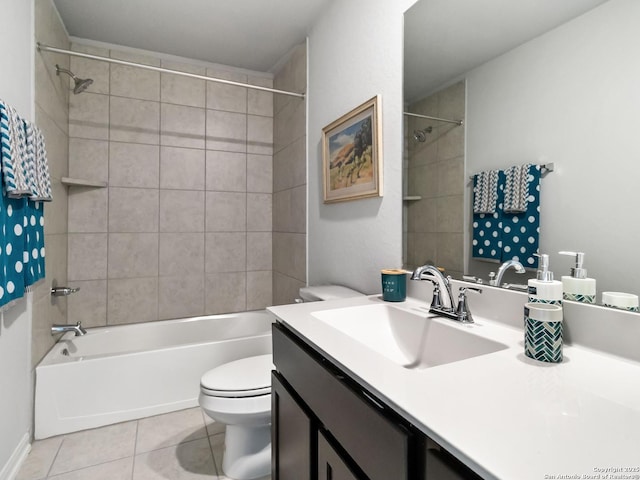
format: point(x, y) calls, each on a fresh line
point(327, 292)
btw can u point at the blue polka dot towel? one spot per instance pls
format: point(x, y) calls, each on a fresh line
point(513, 234)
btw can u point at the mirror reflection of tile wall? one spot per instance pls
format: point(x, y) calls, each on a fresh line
point(435, 174)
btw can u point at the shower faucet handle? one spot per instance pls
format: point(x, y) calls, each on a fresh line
point(63, 291)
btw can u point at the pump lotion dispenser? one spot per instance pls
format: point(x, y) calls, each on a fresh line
point(543, 288)
point(577, 286)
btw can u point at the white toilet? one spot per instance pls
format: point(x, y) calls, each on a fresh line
point(238, 394)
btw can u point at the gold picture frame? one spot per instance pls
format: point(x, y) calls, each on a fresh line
point(352, 154)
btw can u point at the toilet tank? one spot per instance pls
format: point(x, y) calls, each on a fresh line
point(326, 292)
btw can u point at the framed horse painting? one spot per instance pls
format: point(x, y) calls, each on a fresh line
point(352, 154)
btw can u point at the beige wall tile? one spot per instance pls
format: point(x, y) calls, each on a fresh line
point(181, 254)
point(289, 255)
point(422, 216)
point(56, 211)
point(285, 289)
point(88, 210)
point(225, 97)
point(89, 305)
point(57, 144)
point(133, 210)
point(134, 165)
point(259, 173)
point(132, 300)
point(226, 252)
point(259, 251)
point(451, 142)
point(181, 296)
point(260, 103)
point(43, 317)
point(89, 116)
point(450, 175)
point(133, 82)
point(135, 57)
point(135, 121)
point(423, 181)
point(182, 90)
point(449, 247)
point(259, 212)
point(87, 256)
point(291, 76)
point(226, 171)
point(451, 101)
point(51, 91)
point(225, 292)
point(89, 159)
point(56, 267)
point(290, 166)
point(226, 131)
point(182, 126)
point(422, 248)
point(133, 255)
point(182, 168)
point(289, 124)
point(259, 135)
point(450, 214)
point(226, 212)
point(181, 211)
point(259, 290)
point(289, 210)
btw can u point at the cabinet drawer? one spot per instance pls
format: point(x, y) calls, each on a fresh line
point(379, 446)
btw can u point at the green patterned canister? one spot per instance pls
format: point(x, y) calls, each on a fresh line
point(578, 297)
point(543, 332)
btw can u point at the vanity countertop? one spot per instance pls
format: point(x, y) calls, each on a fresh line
point(503, 414)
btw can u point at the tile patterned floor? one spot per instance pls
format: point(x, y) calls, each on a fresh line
point(183, 445)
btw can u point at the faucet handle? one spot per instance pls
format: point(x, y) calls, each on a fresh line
point(463, 312)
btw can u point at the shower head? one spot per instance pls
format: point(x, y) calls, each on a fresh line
point(81, 84)
point(421, 135)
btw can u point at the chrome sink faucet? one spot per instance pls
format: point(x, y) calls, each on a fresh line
point(441, 283)
point(77, 328)
point(504, 267)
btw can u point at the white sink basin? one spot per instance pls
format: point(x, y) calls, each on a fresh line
point(412, 340)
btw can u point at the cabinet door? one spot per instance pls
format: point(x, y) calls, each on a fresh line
point(290, 435)
point(376, 443)
point(330, 464)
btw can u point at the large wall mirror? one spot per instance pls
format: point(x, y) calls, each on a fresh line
point(535, 81)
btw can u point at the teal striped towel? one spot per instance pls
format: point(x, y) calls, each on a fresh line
point(25, 169)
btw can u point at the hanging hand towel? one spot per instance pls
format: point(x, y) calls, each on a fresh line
point(487, 227)
point(516, 188)
point(14, 152)
point(521, 231)
point(42, 179)
point(485, 191)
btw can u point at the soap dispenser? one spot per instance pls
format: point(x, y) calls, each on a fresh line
point(543, 288)
point(577, 286)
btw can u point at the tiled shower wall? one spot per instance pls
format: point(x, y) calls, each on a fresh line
point(435, 173)
point(185, 225)
point(290, 181)
point(52, 116)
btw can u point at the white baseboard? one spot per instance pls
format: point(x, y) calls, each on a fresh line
point(12, 467)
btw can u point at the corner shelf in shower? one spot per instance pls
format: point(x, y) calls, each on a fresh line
point(411, 198)
point(81, 182)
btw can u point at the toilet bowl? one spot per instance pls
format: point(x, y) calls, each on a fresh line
point(238, 394)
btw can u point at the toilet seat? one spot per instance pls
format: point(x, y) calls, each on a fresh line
point(244, 378)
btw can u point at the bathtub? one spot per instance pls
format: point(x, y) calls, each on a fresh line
point(120, 373)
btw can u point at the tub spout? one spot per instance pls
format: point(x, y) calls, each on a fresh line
point(77, 329)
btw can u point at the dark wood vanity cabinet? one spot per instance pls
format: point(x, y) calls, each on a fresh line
point(325, 426)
